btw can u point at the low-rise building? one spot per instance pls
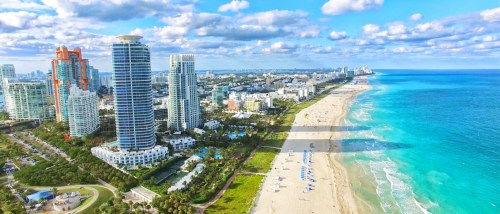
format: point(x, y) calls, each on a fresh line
point(112, 155)
point(212, 124)
point(181, 142)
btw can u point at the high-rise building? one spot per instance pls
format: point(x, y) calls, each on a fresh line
point(49, 80)
point(83, 112)
point(6, 71)
point(68, 68)
point(26, 100)
point(184, 102)
point(133, 101)
point(94, 79)
point(217, 96)
point(133, 94)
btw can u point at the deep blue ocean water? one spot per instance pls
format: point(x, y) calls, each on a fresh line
point(429, 139)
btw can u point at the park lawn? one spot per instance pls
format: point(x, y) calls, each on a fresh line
point(104, 196)
point(261, 161)
point(239, 196)
point(82, 191)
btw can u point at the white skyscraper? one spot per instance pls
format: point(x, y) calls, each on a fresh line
point(184, 102)
point(83, 113)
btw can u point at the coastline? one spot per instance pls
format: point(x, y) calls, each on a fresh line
point(316, 128)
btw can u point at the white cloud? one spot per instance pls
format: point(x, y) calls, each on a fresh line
point(335, 7)
point(13, 20)
point(370, 28)
point(21, 5)
point(397, 29)
point(117, 9)
point(491, 15)
point(337, 35)
point(234, 5)
point(416, 17)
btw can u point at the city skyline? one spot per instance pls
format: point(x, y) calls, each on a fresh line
point(258, 35)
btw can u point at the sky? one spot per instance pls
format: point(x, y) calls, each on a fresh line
point(258, 34)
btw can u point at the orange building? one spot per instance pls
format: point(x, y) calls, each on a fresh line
point(233, 105)
point(68, 68)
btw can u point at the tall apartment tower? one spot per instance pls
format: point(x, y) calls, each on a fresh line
point(184, 102)
point(26, 100)
point(68, 68)
point(132, 93)
point(83, 113)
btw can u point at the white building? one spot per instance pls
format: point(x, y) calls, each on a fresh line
point(144, 194)
point(184, 102)
point(187, 179)
point(112, 155)
point(180, 143)
point(26, 100)
point(212, 124)
point(83, 113)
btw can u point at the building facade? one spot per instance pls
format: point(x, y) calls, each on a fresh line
point(68, 68)
point(218, 96)
point(94, 79)
point(26, 100)
point(6, 71)
point(184, 102)
point(83, 113)
point(133, 97)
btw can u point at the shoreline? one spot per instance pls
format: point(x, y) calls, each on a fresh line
point(315, 128)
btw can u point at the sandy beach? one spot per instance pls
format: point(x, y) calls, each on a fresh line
point(307, 176)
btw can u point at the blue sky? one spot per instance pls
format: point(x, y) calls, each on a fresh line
point(259, 34)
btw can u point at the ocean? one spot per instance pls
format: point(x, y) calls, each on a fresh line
point(426, 141)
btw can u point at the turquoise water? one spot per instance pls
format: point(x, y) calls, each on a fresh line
point(430, 140)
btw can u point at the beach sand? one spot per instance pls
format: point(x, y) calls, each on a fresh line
point(315, 129)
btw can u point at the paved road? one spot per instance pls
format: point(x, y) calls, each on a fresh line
point(48, 146)
point(26, 146)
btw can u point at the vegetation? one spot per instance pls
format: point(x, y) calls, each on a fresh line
point(261, 161)
point(78, 150)
point(4, 115)
point(9, 203)
point(175, 202)
point(104, 196)
point(238, 198)
point(53, 173)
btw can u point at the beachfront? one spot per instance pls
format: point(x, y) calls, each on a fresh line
point(306, 177)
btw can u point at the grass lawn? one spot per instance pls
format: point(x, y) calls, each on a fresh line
point(239, 196)
point(261, 161)
point(104, 196)
point(83, 191)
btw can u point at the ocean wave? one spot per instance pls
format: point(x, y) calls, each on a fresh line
point(394, 193)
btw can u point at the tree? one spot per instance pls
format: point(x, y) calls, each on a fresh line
point(55, 191)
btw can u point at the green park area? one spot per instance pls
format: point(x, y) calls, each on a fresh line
point(238, 198)
point(104, 196)
point(261, 161)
